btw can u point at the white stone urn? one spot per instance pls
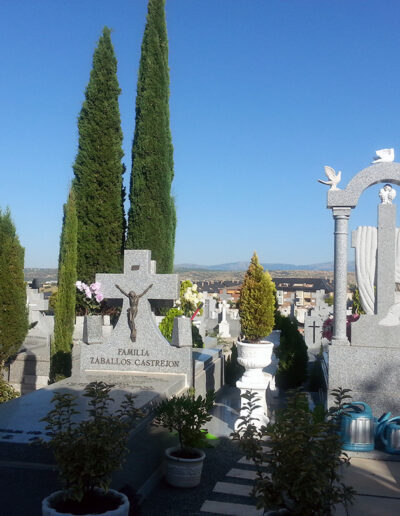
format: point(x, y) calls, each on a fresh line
point(254, 357)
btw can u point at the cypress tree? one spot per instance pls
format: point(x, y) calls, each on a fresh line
point(98, 169)
point(64, 315)
point(13, 313)
point(257, 302)
point(152, 217)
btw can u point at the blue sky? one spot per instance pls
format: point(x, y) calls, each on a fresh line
point(264, 93)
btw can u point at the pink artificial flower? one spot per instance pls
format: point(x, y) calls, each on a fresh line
point(99, 297)
point(79, 285)
point(88, 292)
point(95, 287)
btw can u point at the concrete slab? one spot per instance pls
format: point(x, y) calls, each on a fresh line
point(234, 489)
point(371, 506)
point(20, 419)
point(231, 509)
point(242, 473)
point(373, 478)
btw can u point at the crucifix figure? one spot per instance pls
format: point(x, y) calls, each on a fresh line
point(133, 307)
point(138, 283)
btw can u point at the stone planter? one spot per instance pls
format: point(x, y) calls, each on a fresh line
point(121, 510)
point(182, 472)
point(92, 329)
point(254, 357)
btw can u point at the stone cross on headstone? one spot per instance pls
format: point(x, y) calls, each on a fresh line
point(136, 286)
point(314, 326)
point(136, 344)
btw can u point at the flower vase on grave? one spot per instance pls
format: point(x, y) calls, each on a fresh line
point(92, 329)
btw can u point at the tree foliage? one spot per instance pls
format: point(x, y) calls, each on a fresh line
point(7, 391)
point(292, 354)
point(13, 313)
point(301, 469)
point(257, 302)
point(89, 450)
point(357, 306)
point(98, 169)
point(152, 217)
point(64, 316)
point(167, 324)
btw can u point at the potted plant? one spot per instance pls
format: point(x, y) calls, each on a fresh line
point(88, 451)
point(299, 457)
point(256, 310)
point(185, 414)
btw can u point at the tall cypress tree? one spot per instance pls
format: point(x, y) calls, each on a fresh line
point(13, 312)
point(98, 169)
point(152, 218)
point(64, 316)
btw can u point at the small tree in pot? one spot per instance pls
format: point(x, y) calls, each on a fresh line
point(256, 310)
point(299, 457)
point(88, 452)
point(186, 415)
point(256, 302)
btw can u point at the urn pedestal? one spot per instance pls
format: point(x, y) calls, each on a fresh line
point(254, 357)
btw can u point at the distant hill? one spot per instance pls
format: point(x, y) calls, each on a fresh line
point(242, 266)
point(224, 271)
point(42, 275)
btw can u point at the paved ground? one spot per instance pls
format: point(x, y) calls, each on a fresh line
point(227, 480)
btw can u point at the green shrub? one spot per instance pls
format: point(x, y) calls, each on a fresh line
point(196, 337)
point(186, 415)
point(292, 354)
point(167, 324)
point(7, 391)
point(316, 380)
point(257, 302)
point(89, 451)
point(301, 468)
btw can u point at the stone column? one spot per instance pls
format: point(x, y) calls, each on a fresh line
point(341, 216)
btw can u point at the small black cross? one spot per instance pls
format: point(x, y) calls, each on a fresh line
point(313, 326)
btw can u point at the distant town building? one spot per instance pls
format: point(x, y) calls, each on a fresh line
point(297, 296)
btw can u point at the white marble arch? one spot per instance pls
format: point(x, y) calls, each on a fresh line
point(341, 202)
point(372, 175)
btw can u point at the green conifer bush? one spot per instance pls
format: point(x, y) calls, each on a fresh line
point(64, 316)
point(152, 217)
point(13, 312)
point(292, 354)
point(257, 302)
point(98, 170)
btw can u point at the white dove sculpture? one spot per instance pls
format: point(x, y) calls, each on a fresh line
point(334, 178)
point(384, 156)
